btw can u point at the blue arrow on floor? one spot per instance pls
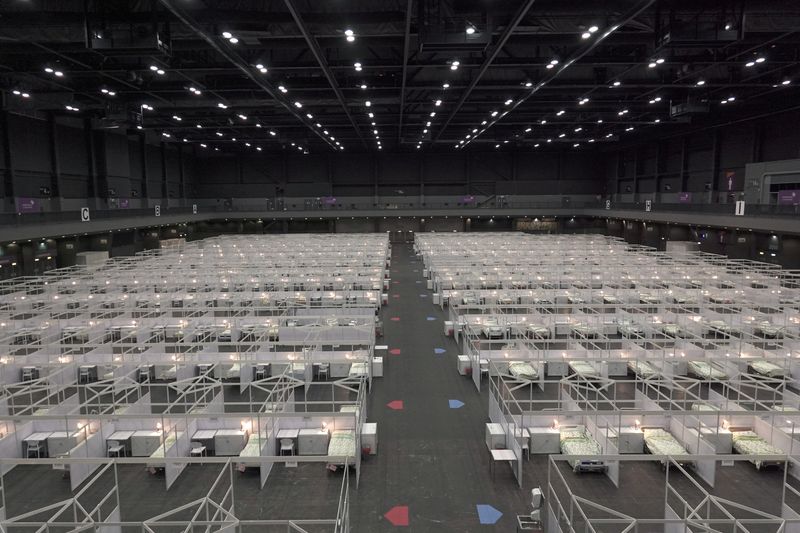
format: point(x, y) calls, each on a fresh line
point(418, 281)
point(455, 404)
point(488, 514)
point(430, 318)
point(439, 351)
point(423, 295)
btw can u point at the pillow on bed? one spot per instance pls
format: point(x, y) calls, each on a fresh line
point(656, 432)
point(573, 433)
point(744, 435)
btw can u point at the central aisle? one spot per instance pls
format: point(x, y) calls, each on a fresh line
point(431, 458)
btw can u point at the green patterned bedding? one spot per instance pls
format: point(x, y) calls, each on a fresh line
point(767, 368)
point(583, 369)
point(749, 443)
point(522, 370)
point(706, 370)
point(578, 442)
point(661, 442)
point(642, 369)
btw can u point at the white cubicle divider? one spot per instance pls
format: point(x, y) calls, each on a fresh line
point(181, 447)
point(11, 442)
point(684, 431)
point(92, 446)
point(245, 374)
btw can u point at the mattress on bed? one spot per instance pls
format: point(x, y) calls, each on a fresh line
point(575, 441)
point(253, 446)
point(165, 445)
point(584, 369)
point(642, 369)
point(767, 368)
point(523, 370)
point(704, 407)
point(358, 369)
point(673, 330)
point(584, 329)
point(662, 442)
point(749, 443)
point(342, 443)
point(706, 370)
point(169, 373)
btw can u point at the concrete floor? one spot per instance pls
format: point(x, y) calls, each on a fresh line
point(431, 458)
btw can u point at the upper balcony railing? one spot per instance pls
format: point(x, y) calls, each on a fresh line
point(566, 204)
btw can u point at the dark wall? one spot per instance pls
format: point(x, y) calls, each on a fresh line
point(390, 174)
point(77, 160)
point(710, 156)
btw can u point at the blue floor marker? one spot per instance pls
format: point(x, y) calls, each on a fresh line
point(455, 404)
point(439, 351)
point(430, 318)
point(488, 514)
point(418, 281)
point(423, 295)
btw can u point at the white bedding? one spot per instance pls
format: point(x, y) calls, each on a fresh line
point(342, 443)
point(523, 370)
point(358, 369)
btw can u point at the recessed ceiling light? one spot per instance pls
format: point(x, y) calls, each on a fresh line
point(599, 120)
point(561, 112)
point(283, 89)
point(368, 103)
point(243, 117)
point(786, 82)
point(483, 123)
point(585, 35)
point(660, 61)
point(272, 133)
point(198, 126)
point(543, 122)
point(760, 59)
point(363, 85)
point(219, 134)
point(437, 103)
point(562, 135)
point(357, 66)
point(494, 113)
point(176, 117)
point(227, 34)
point(298, 105)
point(509, 102)
point(528, 129)
point(428, 124)
point(371, 115)
point(48, 70)
point(433, 114)
point(616, 84)
point(750, 64)
point(233, 40)
point(578, 129)
point(701, 82)
point(593, 29)
point(445, 85)
point(222, 106)
point(652, 64)
point(528, 84)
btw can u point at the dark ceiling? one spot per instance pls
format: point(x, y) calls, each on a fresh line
point(677, 64)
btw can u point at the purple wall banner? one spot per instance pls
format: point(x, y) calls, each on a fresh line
point(685, 197)
point(28, 205)
point(789, 197)
point(124, 203)
point(328, 200)
point(468, 199)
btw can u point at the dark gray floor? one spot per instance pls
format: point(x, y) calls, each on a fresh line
point(431, 458)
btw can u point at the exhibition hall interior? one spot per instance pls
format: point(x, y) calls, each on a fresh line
point(359, 266)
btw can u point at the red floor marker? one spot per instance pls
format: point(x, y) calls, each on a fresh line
point(396, 405)
point(395, 351)
point(397, 515)
point(395, 319)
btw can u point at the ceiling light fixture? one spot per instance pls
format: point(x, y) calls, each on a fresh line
point(357, 66)
point(455, 64)
point(445, 85)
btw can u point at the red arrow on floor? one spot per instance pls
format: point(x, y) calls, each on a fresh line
point(397, 515)
point(396, 405)
point(395, 351)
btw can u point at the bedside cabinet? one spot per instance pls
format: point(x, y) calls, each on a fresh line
point(545, 440)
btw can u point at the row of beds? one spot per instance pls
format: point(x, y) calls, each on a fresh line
point(342, 443)
point(578, 441)
point(233, 371)
point(700, 369)
point(492, 329)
